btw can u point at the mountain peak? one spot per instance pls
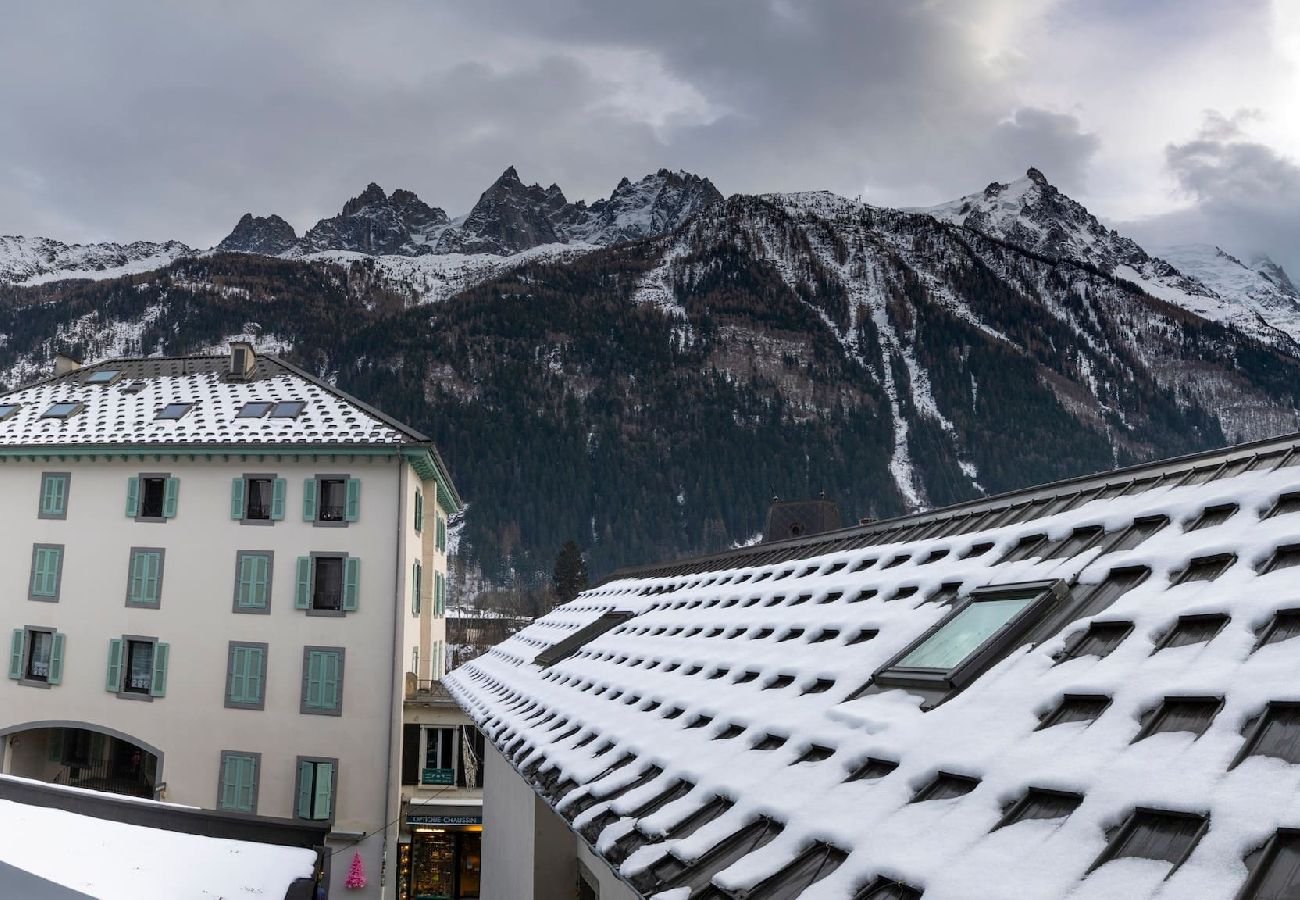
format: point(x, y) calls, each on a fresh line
point(270, 235)
point(1036, 177)
point(372, 195)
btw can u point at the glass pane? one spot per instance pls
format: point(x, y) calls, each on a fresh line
point(38, 665)
point(965, 633)
point(140, 666)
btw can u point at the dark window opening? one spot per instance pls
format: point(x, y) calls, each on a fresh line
point(1156, 834)
point(1192, 714)
point(333, 500)
point(40, 645)
point(1206, 568)
point(327, 586)
point(1076, 708)
point(153, 494)
point(1276, 734)
point(1040, 803)
point(1193, 630)
point(946, 786)
point(139, 667)
point(257, 494)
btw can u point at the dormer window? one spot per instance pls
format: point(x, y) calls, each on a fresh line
point(173, 411)
point(287, 409)
point(61, 410)
point(254, 409)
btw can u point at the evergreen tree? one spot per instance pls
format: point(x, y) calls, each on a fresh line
point(570, 573)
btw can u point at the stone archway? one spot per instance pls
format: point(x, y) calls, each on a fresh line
point(82, 754)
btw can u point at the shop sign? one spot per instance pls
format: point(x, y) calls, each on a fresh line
point(444, 820)
point(438, 776)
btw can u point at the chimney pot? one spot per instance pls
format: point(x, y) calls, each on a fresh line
point(242, 360)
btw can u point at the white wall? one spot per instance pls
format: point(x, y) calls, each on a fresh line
point(191, 725)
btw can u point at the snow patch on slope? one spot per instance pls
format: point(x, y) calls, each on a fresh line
point(37, 260)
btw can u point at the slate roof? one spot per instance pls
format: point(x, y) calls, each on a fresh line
point(729, 724)
point(125, 411)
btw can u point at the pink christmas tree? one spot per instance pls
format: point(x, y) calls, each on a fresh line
point(356, 873)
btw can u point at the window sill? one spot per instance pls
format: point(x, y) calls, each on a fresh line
point(133, 695)
point(247, 521)
point(308, 711)
point(37, 598)
point(36, 683)
point(326, 613)
point(321, 523)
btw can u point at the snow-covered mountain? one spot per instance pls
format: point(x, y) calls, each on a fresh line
point(36, 260)
point(1034, 215)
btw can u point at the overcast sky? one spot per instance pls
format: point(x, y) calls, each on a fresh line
point(151, 120)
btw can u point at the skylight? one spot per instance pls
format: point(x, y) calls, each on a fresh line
point(61, 410)
point(8, 409)
point(174, 410)
point(576, 641)
point(287, 409)
point(254, 409)
point(103, 376)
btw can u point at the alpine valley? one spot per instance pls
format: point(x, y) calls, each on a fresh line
point(644, 373)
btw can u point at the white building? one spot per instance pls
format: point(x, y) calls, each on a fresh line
point(1087, 690)
point(219, 574)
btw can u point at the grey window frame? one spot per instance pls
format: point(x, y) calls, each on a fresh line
point(122, 692)
point(162, 565)
point(1045, 594)
point(311, 609)
point(140, 477)
point(77, 406)
point(159, 417)
point(261, 476)
point(270, 404)
point(28, 630)
point(334, 781)
point(58, 578)
point(8, 409)
point(67, 489)
point(270, 582)
point(231, 646)
point(318, 522)
point(276, 404)
point(303, 708)
point(257, 779)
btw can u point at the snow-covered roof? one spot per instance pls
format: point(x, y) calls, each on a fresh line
point(684, 703)
point(125, 408)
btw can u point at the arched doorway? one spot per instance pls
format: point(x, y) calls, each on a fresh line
point(83, 755)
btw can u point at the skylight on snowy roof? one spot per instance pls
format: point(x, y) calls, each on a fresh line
point(103, 376)
point(8, 409)
point(287, 409)
point(254, 409)
point(173, 411)
point(587, 633)
point(61, 410)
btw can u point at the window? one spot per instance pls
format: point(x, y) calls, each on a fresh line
point(1192, 714)
point(1190, 630)
point(246, 675)
point(36, 656)
point(253, 409)
point(1100, 639)
point(966, 642)
point(102, 376)
point(316, 784)
point(1076, 708)
point(439, 594)
point(54, 495)
point(47, 572)
point(1155, 834)
point(1276, 734)
point(946, 786)
point(8, 409)
point(419, 511)
point(442, 535)
point(152, 498)
point(253, 581)
point(1040, 803)
point(1275, 874)
point(61, 410)
point(328, 583)
point(137, 667)
point(322, 681)
point(237, 787)
point(417, 576)
point(174, 411)
point(440, 756)
point(257, 498)
point(144, 577)
point(287, 409)
point(331, 500)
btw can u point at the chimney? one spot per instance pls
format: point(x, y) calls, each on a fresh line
point(788, 519)
point(63, 364)
point(242, 360)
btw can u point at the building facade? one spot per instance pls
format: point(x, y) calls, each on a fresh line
point(219, 574)
point(1084, 690)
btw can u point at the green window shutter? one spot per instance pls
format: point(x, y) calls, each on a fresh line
point(237, 684)
point(254, 581)
point(137, 577)
point(415, 588)
point(170, 494)
point(54, 496)
point(352, 511)
point(113, 684)
point(324, 790)
point(153, 575)
point(419, 510)
point(305, 792)
point(146, 572)
point(16, 653)
point(330, 680)
point(132, 497)
point(45, 571)
point(310, 492)
point(255, 660)
point(237, 498)
point(351, 583)
point(229, 783)
point(55, 742)
point(277, 499)
point(302, 597)
point(244, 581)
point(56, 659)
point(159, 686)
point(442, 533)
point(238, 781)
point(314, 664)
